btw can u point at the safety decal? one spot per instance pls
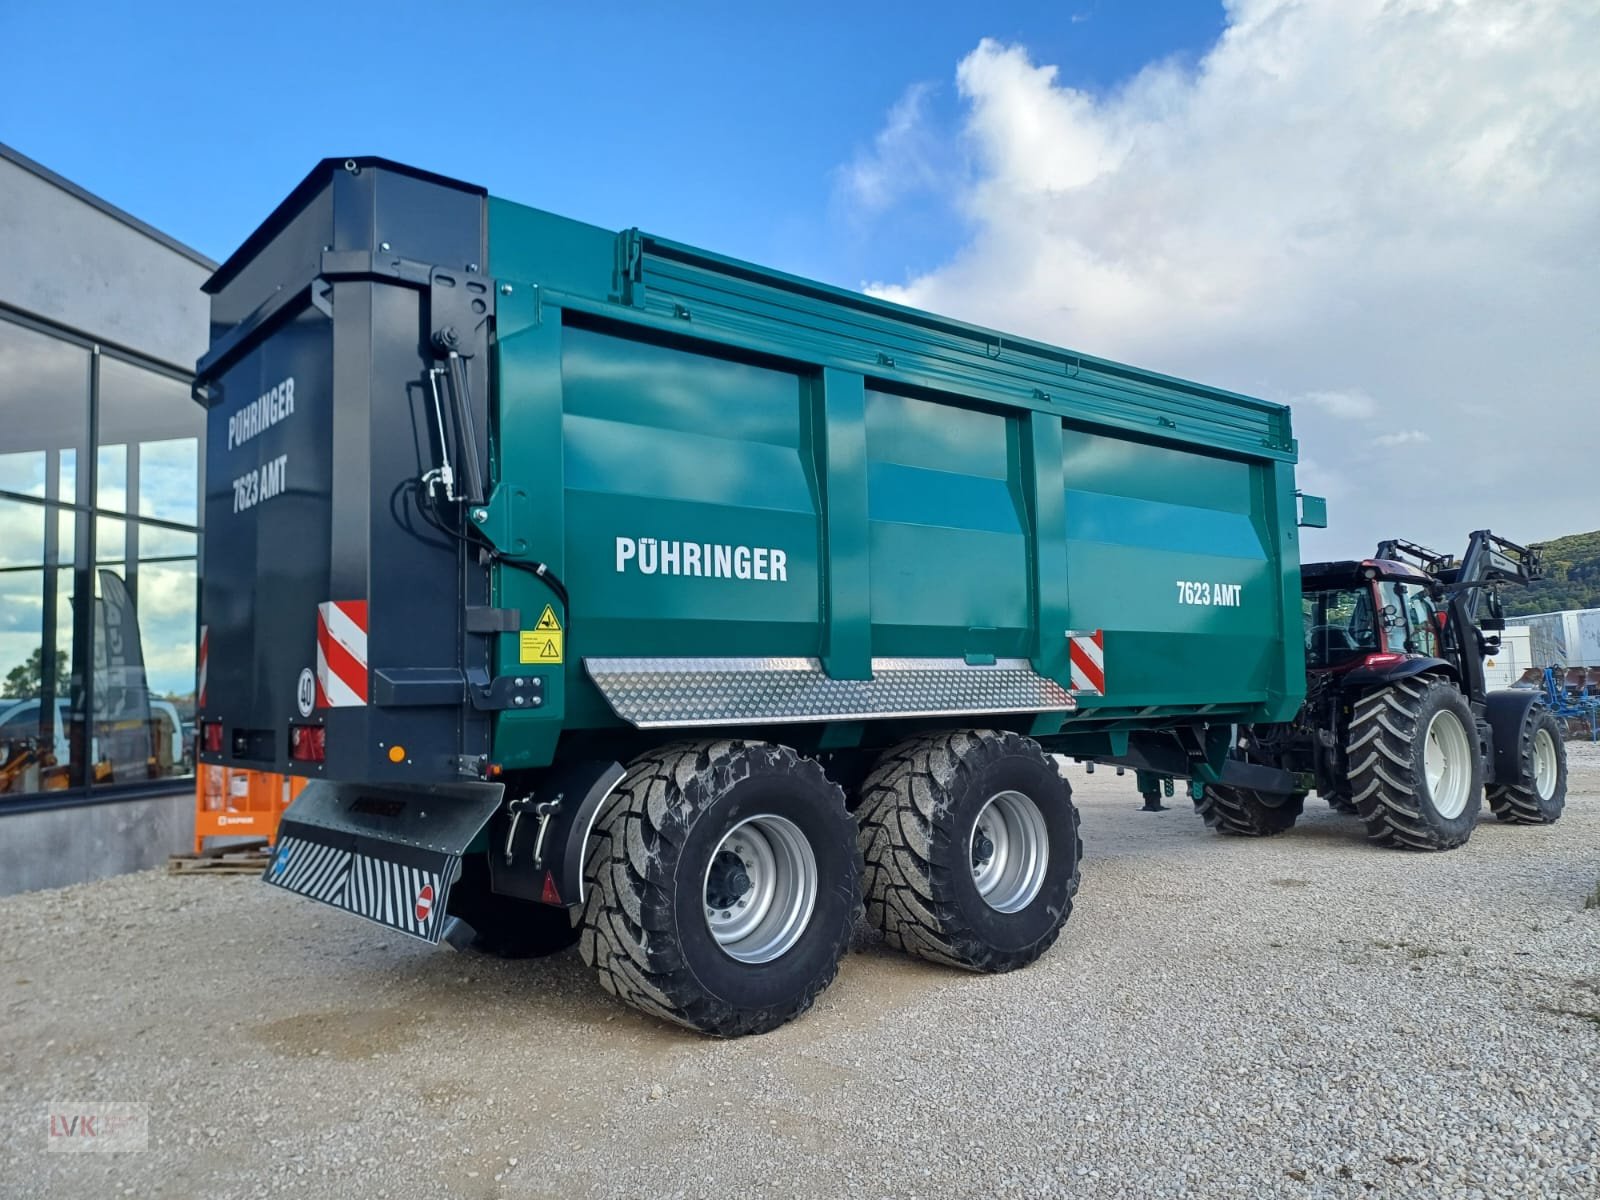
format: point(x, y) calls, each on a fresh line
point(1087, 652)
point(541, 646)
point(545, 642)
point(342, 654)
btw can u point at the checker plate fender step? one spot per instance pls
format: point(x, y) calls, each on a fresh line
point(389, 853)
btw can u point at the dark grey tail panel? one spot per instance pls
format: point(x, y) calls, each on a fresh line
point(323, 576)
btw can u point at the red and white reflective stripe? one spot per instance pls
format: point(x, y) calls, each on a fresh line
point(1088, 654)
point(342, 654)
point(200, 687)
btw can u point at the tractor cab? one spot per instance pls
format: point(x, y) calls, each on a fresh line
point(1369, 613)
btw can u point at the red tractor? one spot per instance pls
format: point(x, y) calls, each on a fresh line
point(1397, 725)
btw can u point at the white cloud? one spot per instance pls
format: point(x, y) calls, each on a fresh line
point(1353, 406)
point(906, 156)
point(1402, 437)
point(1384, 211)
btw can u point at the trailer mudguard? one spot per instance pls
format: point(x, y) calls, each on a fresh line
point(536, 843)
point(387, 852)
point(1365, 677)
point(1507, 713)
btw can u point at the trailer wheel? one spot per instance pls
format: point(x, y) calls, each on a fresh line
point(971, 847)
point(505, 926)
point(1416, 775)
point(721, 884)
point(1245, 812)
point(1543, 757)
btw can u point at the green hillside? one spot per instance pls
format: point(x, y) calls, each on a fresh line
point(1571, 578)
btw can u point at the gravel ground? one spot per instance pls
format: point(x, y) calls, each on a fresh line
point(1305, 1016)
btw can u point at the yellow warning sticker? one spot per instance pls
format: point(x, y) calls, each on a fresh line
point(542, 645)
point(548, 623)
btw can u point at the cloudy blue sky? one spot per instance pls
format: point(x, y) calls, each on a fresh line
point(1384, 212)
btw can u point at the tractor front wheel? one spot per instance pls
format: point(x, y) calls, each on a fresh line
point(1416, 775)
point(1245, 812)
point(1542, 755)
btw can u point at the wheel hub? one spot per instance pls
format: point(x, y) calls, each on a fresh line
point(1545, 769)
point(760, 888)
point(982, 849)
point(1009, 851)
point(1447, 767)
point(727, 881)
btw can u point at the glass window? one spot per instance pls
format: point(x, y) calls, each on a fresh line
point(144, 658)
point(44, 394)
point(1424, 627)
point(149, 433)
point(97, 690)
point(110, 541)
point(1338, 625)
point(111, 477)
point(1392, 617)
point(168, 616)
point(36, 693)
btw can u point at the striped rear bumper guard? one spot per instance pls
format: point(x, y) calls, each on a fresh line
point(390, 855)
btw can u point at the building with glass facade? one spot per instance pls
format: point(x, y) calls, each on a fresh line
point(101, 320)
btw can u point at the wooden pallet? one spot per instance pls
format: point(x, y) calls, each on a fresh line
point(246, 858)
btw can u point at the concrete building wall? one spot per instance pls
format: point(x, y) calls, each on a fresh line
point(67, 258)
point(60, 846)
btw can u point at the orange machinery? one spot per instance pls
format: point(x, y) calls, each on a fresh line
point(235, 803)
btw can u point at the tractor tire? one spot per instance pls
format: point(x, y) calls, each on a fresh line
point(504, 926)
point(1543, 758)
point(1416, 775)
point(1244, 812)
point(722, 882)
point(971, 846)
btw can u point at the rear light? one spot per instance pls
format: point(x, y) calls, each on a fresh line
point(1382, 660)
point(308, 743)
point(211, 737)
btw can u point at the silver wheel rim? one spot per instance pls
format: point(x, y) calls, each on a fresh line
point(1544, 764)
point(1447, 764)
point(760, 888)
point(1009, 849)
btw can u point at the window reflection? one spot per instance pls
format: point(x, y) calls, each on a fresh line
point(36, 696)
point(168, 599)
point(98, 691)
point(149, 440)
point(44, 393)
point(111, 478)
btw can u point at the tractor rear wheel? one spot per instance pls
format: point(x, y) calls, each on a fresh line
point(722, 881)
point(1543, 759)
point(971, 846)
point(1245, 812)
point(1416, 775)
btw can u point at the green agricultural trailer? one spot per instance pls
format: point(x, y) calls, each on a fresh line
point(614, 591)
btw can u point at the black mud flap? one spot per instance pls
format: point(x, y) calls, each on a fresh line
point(388, 853)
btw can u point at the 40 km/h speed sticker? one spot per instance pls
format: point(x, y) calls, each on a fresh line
point(306, 694)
